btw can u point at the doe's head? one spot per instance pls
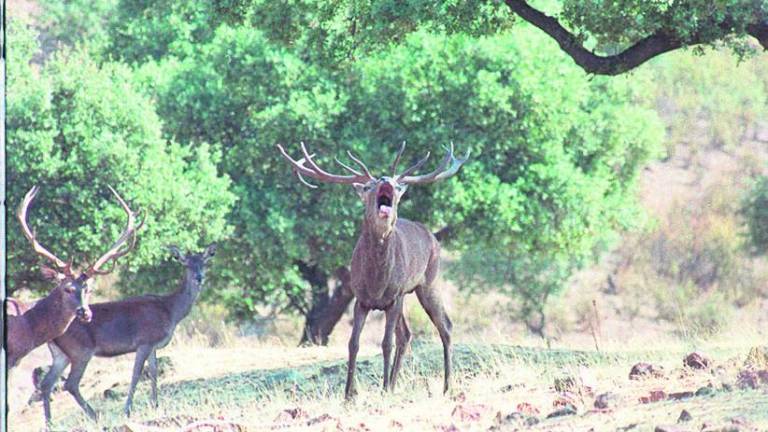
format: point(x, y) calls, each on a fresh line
point(194, 263)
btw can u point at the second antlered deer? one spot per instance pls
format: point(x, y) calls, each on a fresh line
point(393, 257)
point(138, 324)
point(30, 326)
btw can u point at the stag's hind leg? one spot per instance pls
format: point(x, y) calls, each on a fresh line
point(60, 362)
point(403, 339)
point(432, 302)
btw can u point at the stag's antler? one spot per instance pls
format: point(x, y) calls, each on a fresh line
point(115, 251)
point(317, 173)
point(448, 167)
point(42, 251)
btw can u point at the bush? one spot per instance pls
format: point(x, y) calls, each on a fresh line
point(75, 127)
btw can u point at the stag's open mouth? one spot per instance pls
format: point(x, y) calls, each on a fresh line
point(384, 198)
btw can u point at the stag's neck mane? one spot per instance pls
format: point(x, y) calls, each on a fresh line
point(46, 320)
point(184, 297)
point(380, 257)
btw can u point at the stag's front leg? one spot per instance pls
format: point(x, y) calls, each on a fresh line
point(393, 314)
point(360, 314)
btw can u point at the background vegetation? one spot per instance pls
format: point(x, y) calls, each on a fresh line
point(179, 106)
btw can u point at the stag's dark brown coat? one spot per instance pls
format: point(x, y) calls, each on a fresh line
point(393, 257)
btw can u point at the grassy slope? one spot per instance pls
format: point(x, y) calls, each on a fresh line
point(254, 386)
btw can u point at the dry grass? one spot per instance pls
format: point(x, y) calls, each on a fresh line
point(263, 386)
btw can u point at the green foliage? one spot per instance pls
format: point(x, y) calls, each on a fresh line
point(76, 22)
point(333, 33)
point(754, 208)
point(554, 155)
point(618, 23)
point(246, 95)
point(145, 30)
point(74, 128)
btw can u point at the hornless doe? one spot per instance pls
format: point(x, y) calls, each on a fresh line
point(137, 324)
point(393, 257)
point(30, 326)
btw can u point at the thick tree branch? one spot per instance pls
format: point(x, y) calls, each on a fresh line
point(632, 57)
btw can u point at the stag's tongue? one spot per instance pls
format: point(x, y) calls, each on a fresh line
point(384, 211)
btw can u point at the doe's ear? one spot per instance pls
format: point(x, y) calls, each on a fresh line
point(176, 253)
point(51, 274)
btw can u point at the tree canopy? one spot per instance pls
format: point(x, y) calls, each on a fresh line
point(75, 127)
point(555, 153)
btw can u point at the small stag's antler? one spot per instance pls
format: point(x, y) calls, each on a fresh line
point(28, 233)
point(118, 249)
point(448, 167)
point(317, 173)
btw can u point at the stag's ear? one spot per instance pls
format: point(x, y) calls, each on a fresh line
point(210, 251)
point(361, 189)
point(51, 274)
point(176, 253)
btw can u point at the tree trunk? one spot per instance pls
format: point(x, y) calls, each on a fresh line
point(327, 310)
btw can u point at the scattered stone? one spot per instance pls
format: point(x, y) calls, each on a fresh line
point(685, 416)
point(680, 395)
point(565, 398)
point(564, 384)
point(654, 396)
point(644, 370)
point(468, 413)
point(566, 410)
point(727, 387)
point(527, 409)
point(606, 400)
point(669, 428)
point(111, 394)
point(695, 360)
point(320, 419)
point(705, 391)
point(750, 379)
point(531, 421)
point(510, 387)
point(291, 414)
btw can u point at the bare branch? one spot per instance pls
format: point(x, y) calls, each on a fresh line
point(632, 57)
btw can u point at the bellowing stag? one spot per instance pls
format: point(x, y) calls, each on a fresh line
point(393, 257)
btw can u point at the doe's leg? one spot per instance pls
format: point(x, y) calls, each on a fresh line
point(138, 365)
point(72, 384)
point(358, 321)
point(60, 362)
point(152, 363)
